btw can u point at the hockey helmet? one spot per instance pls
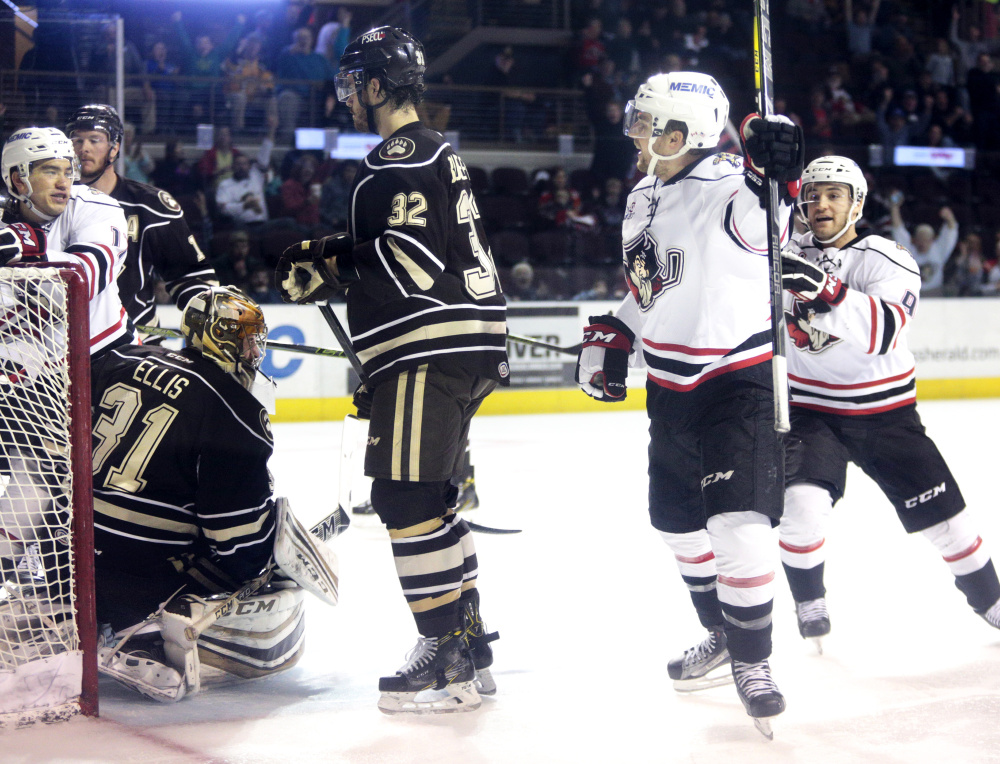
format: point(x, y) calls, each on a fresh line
point(228, 328)
point(387, 53)
point(835, 169)
point(693, 98)
point(97, 116)
point(28, 146)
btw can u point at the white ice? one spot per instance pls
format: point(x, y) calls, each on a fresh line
point(590, 608)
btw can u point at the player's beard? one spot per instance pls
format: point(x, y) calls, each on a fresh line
point(360, 116)
point(89, 178)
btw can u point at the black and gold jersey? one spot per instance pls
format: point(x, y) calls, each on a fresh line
point(428, 289)
point(160, 245)
point(180, 464)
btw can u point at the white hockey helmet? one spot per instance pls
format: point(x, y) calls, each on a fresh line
point(693, 98)
point(836, 169)
point(30, 145)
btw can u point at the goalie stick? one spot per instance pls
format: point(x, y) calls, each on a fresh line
point(764, 82)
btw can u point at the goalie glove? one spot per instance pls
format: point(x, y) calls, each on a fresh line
point(602, 366)
point(21, 241)
point(308, 272)
point(772, 148)
point(811, 284)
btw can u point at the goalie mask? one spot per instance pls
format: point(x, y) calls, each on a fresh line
point(29, 146)
point(228, 328)
point(693, 98)
point(835, 169)
point(388, 54)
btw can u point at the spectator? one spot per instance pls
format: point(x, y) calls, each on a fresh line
point(241, 197)
point(895, 129)
point(236, 266)
point(816, 120)
point(335, 196)
point(648, 46)
point(623, 51)
point(941, 64)
point(970, 277)
point(204, 59)
point(969, 50)
point(249, 83)
point(609, 210)
point(614, 152)
point(278, 33)
point(936, 138)
point(561, 206)
point(842, 112)
point(299, 62)
point(138, 93)
point(955, 121)
point(166, 94)
point(138, 163)
point(930, 252)
point(216, 164)
point(334, 36)
point(982, 84)
point(300, 196)
point(509, 106)
point(590, 50)
point(174, 173)
point(860, 29)
point(262, 287)
point(695, 43)
point(597, 291)
point(522, 283)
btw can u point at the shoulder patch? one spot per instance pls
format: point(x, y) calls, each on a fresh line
point(733, 159)
point(168, 201)
point(265, 423)
point(397, 148)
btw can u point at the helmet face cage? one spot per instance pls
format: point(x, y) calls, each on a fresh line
point(27, 147)
point(228, 328)
point(387, 53)
point(693, 98)
point(98, 116)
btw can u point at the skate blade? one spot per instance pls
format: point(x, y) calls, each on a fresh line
point(456, 698)
point(703, 682)
point(817, 643)
point(764, 727)
point(484, 682)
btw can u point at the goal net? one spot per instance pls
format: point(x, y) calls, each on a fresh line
point(47, 622)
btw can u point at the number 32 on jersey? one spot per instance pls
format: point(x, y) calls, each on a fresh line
point(480, 282)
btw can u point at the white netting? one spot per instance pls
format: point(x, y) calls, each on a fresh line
point(39, 640)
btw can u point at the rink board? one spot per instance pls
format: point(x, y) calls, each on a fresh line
point(956, 343)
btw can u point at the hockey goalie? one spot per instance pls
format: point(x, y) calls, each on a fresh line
point(200, 572)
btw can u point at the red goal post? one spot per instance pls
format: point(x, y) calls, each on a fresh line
point(48, 630)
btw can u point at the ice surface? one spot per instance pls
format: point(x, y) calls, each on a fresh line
point(590, 608)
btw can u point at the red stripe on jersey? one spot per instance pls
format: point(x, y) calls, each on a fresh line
point(714, 373)
point(695, 560)
point(961, 555)
point(685, 348)
point(902, 323)
point(871, 347)
point(832, 386)
point(92, 268)
point(109, 331)
point(746, 583)
point(856, 412)
point(801, 549)
point(743, 241)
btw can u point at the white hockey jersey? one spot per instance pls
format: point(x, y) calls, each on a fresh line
point(854, 359)
point(696, 264)
point(91, 232)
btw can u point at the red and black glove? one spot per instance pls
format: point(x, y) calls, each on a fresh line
point(819, 290)
point(772, 148)
point(20, 242)
point(602, 366)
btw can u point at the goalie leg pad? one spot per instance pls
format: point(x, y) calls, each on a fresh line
point(303, 557)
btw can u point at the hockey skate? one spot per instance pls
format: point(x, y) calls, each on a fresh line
point(992, 616)
point(141, 665)
point(438, 678)
point(814, 621)
point(690, 671)
point(479, 647)
point(759, 694)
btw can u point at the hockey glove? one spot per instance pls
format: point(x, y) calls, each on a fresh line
point(602, 366)
point(307, 272)
point(363, 398)
point(811, 284)
point(772, 148)
point(21, 241)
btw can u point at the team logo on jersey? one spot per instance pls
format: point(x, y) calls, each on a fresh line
point(504, 370)
point(805, 336)
point(647, 277)
point(169, 202)
point(630, 212)
point(734, 159)
point(397, 148)
point(265, 422)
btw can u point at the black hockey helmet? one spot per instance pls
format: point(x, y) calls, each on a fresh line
point(389, 54)
point(97, 116)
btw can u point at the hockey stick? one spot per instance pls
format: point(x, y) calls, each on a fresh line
point(343, 339)
point(290, 347)
point(764, 82)
point(329, 527)
point(522, 340)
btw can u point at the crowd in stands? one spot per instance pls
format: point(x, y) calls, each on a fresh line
point(853, 73)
